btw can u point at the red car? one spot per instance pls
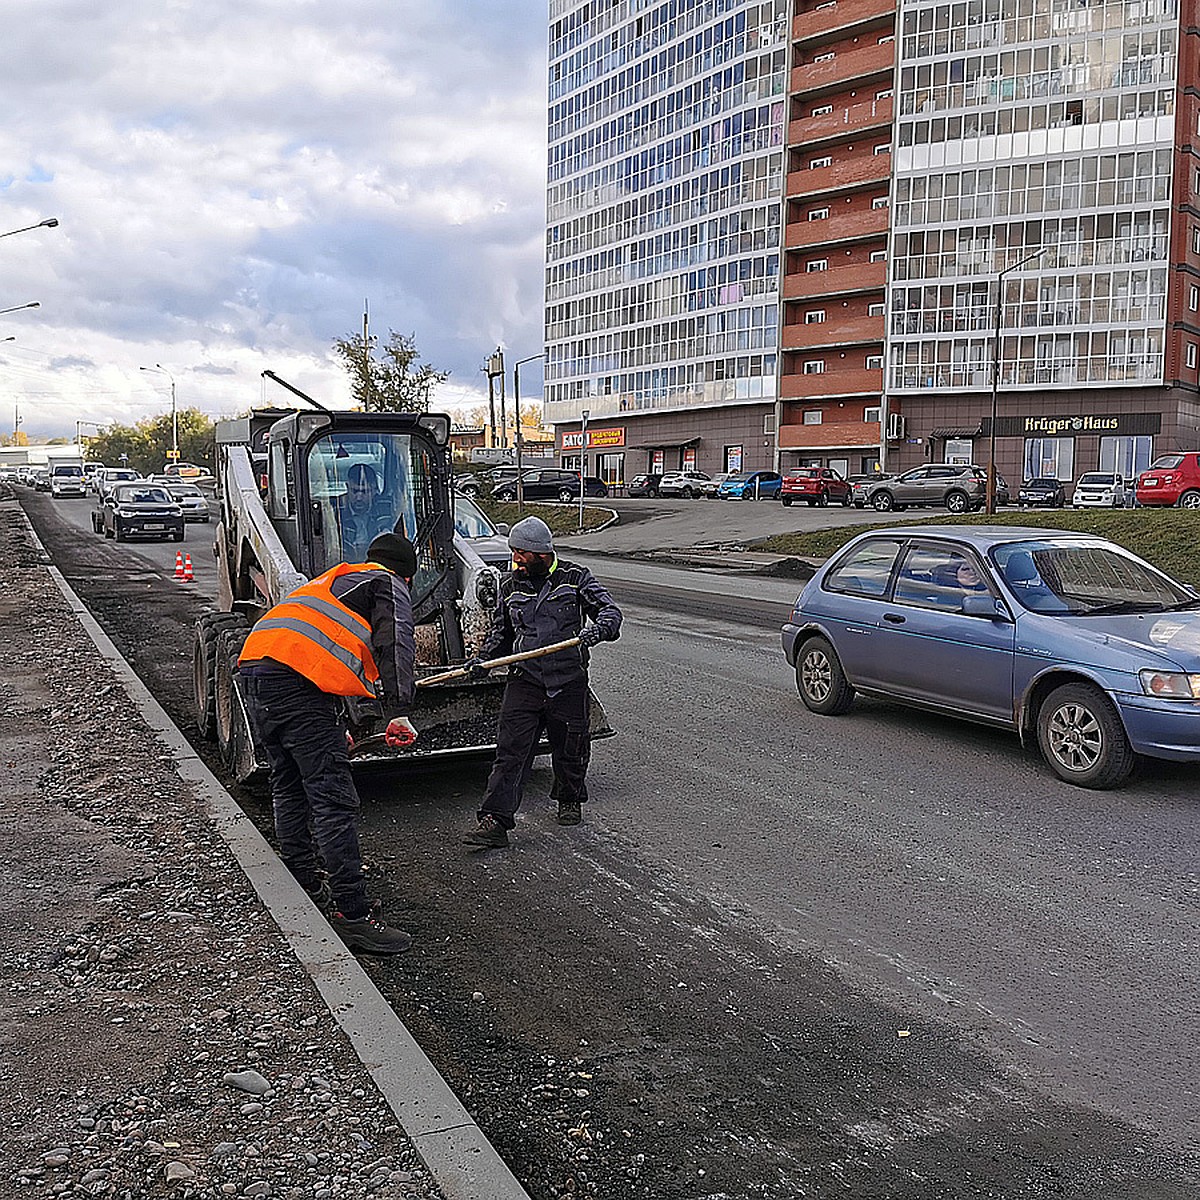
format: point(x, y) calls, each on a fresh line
point(1171, 479)
point(815, 485)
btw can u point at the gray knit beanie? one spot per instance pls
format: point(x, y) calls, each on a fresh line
point(532, 534)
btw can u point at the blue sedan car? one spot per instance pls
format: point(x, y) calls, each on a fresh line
point(1065, 638)
point(751, 485)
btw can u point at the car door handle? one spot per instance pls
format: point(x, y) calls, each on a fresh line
point(893, 618)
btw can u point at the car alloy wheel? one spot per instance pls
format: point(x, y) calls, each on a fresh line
point(566, 495)
point(1190, 500)
point(957, 502)
point(1082, 738)
point(820, 680)
point(883, 502)
point(506, 496)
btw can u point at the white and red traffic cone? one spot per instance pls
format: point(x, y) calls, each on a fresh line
point(188, 577)
point(178, 564)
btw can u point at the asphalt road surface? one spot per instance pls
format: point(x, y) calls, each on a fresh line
point(878, 955)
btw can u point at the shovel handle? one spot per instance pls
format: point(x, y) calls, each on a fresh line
point(491, 664)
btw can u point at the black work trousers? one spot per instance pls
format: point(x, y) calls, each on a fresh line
point(312, 791)
point(525, 712)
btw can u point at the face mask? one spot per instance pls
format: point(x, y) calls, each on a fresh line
point(538, 568)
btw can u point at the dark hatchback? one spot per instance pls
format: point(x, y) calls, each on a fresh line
point(139, 510)
point(550, 483)
point(644, 485)
point(1042, 491)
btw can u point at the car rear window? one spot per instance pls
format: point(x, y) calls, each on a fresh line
point(1166, 462)
point(866, 569)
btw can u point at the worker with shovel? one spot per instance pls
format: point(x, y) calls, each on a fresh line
point(543, 601)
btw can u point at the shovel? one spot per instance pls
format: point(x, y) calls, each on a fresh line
point(377, 739)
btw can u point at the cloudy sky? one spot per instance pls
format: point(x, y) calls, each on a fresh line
point(234, 180)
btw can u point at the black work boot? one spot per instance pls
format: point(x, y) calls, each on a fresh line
point(321, 894)
point(489, 834)
point(370, 934)
point(568, 812)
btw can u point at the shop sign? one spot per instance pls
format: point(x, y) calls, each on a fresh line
point(656, 462)
point(689, 458)
point(733, 458)
point(596, 439)
point(1075, 425)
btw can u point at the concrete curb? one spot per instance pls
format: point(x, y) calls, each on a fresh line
point(462, 1162)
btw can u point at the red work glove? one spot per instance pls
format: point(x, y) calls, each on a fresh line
point(399, 733)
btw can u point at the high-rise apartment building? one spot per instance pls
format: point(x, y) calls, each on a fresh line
point(664, 231)
point(785, 232)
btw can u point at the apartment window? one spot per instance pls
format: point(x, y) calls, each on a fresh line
point(872, 415)
point(820, 162)
point(818, 214)
point(814, 316)
point(879, 202)
point(886, 94)
point(814, 366)
point(812, 416)
point(769, 423)
point(825, 57)
point(1191, 354)
point(823, 111)
point(879, 256)
point(1194, 297)
point(817, 264)
point(883, 148)
point(876, 309)
point(1196, 239)
point(874, 362)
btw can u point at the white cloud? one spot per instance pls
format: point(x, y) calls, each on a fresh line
point(233, 180)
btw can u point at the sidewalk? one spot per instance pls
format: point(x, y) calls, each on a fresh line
point(162, 1031)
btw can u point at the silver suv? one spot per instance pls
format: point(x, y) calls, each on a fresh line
point(958, 489)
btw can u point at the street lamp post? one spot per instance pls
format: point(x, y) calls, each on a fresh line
point(495, 370)
point(18, 307)
point(48, 223)
point(517, 414)
point(991, 483)
point(174, 417)
point(582, 462)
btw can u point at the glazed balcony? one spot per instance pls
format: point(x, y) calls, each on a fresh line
point(848, 381)
point(838, 227)
point(841, 18)
point(837, 281)
point(865, 170)
point(845, 68)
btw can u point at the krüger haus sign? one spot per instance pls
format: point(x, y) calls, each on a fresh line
point(1081, 425)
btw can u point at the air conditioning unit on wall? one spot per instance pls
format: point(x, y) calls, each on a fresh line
point(897, 427)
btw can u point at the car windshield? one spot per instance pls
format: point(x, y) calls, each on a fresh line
point(1086, 578)
point(1166, 462)
point(1094, 477)
point(187, 491)
point(1042, 483)
point(470, 521)
point(142, 495)
point(74, 471)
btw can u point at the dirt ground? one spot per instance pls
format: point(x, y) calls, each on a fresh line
point(618, 1040)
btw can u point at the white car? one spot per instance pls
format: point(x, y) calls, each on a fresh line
point(709, 490)
point(688, 484)
point(1102, 489)
point(189, 497)
point(66, 479)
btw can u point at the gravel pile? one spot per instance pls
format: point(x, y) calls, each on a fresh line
point(157, 1035)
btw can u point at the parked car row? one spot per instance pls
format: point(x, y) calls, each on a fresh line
point(540, 483)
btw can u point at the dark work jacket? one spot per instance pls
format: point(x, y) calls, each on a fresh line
point(534, 613)
point(381, 598)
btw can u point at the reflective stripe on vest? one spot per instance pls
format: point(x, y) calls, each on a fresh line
point(315, 634)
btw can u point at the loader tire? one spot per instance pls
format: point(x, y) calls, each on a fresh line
point(204, 643)
point(235, 739)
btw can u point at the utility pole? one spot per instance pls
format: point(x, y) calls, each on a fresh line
point(517, 406)
point(495, 370)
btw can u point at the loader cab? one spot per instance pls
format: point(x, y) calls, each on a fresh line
point(338, 480)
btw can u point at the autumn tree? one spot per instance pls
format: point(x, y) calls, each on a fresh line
point(145, 444)
point(387, 378)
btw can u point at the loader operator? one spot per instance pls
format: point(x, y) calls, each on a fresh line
point(347, 633)
point(366, 514)
point(543, 600)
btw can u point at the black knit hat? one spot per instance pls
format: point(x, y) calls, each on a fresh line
point(395, 552)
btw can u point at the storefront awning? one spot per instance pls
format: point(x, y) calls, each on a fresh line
point(956, 431)
point(666, 444)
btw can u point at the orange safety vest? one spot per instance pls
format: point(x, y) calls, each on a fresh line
point(315, 634)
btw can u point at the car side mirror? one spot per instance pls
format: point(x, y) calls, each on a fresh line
point(985, 605)
point(503, 527)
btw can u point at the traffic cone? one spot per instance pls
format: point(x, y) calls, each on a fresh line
point(178, 564)
point(188, 577)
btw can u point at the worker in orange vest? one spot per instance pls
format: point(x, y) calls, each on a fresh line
point(347, 633)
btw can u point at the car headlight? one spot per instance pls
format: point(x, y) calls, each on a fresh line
point(1170, 685)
